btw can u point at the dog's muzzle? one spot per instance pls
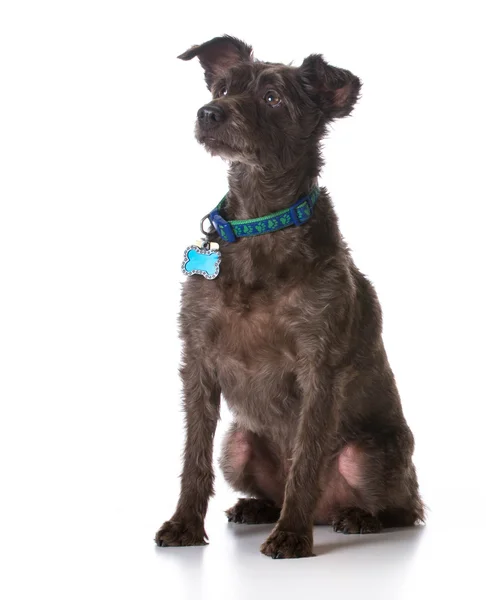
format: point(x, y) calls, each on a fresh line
point(210, 116)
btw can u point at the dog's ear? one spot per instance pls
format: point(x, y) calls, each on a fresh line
point(336, 90)
point(219, 54)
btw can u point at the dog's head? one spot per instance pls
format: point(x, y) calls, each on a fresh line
point(264, 113)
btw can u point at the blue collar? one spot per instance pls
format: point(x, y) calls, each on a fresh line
point(300, 212)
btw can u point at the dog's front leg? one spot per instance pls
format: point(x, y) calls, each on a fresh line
point(292, 536)
point(201, 405)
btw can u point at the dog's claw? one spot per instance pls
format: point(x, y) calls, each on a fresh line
point(180, 533)
point(160, 543)
point(286, 544)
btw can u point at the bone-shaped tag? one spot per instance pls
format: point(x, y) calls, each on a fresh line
point(198, 261)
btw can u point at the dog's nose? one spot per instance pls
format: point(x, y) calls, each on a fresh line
point(210, 115)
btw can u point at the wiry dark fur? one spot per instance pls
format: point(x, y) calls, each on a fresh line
point(290, 331)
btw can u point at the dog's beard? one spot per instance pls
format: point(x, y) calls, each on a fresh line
point(226, 149)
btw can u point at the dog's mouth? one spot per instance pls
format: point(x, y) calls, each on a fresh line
point(215, 143)
point(217, 146)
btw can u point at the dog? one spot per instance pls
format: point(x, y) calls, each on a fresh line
point(288, 330)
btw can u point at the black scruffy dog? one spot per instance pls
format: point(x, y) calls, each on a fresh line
point(290, 331)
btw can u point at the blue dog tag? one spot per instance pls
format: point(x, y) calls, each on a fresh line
point(201, 261)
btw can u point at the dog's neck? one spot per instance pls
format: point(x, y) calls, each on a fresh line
point(258, 191)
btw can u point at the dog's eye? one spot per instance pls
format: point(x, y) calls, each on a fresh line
point(272, 99)
point(223, 91)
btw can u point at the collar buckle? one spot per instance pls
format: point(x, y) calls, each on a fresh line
point(222, 226)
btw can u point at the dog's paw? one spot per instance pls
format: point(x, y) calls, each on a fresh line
point(355, 520)
point(253, 511)
point(285, 544)
point(178, 533)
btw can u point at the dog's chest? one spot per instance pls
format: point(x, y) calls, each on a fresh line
point(254, 351)
point(250, 321)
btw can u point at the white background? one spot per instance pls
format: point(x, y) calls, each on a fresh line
point(102, 185)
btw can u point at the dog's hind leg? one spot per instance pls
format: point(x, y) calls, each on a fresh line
point(250, 466)
point(384, 484)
